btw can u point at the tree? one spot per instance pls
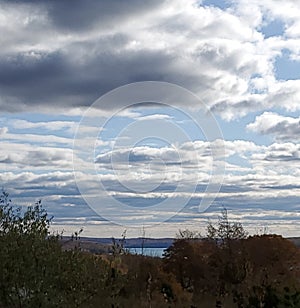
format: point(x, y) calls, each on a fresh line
point(34, 270)
point(273, 275)
point(225, 231)
point(229, 260)
point(188, 234)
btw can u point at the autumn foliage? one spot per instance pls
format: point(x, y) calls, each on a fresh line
point(227, 268)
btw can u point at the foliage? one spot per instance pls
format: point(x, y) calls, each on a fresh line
point(34, 270)
point(226, 269)
point(230, 267)
point(188, 234)
point(225, 231)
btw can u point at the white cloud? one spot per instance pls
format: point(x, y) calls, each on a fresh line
point(154, 117)
point(3, 130)
point(281, 127)
point(49, 158)
point(38, 138)
point(49, 126)
point(283, 156)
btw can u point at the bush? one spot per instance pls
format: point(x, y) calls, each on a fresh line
point(34, 270)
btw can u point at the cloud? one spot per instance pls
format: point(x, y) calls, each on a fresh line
point(265, 184)
point(3, 130)
point(251, 169)
point(49, 158)
point(58, 57)
point(45, 139)
point(254, 167)
point(278, 158)
point(281, 127)
point(47, 126)
point(55, 62)
point(153, 117)
point(93, 14)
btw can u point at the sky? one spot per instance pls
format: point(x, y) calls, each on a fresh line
point(130, 114)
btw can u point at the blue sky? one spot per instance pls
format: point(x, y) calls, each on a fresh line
point(151, 164)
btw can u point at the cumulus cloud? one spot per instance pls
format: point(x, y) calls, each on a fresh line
point(280, 152)
point(283, 128)
point(49, 158)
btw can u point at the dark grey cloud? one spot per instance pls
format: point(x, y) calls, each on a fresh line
point(26, 81)
point(66, 54)
point(82, 15)
point(53, 80)
point(77, 73)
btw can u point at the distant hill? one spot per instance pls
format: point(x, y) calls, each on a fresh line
point(103, 245)
point(134, 242)
point(85, 244)
point(148, 242)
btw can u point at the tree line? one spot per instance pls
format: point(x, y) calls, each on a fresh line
point(227, 268)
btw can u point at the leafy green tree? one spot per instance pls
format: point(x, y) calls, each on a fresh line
point(34, 269)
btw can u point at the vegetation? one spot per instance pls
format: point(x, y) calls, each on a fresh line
point(227, 268)
point(34, 270)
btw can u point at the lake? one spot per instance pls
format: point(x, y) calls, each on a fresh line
point(153, 251)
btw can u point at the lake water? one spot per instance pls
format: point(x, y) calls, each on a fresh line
point(153, 252)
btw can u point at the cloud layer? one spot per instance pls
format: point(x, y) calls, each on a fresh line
point(242, 59)
point(57, 55)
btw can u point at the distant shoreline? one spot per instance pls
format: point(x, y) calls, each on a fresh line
point(140, 242)
point(130, 242)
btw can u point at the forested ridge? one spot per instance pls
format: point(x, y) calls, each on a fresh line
point(227, 268)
